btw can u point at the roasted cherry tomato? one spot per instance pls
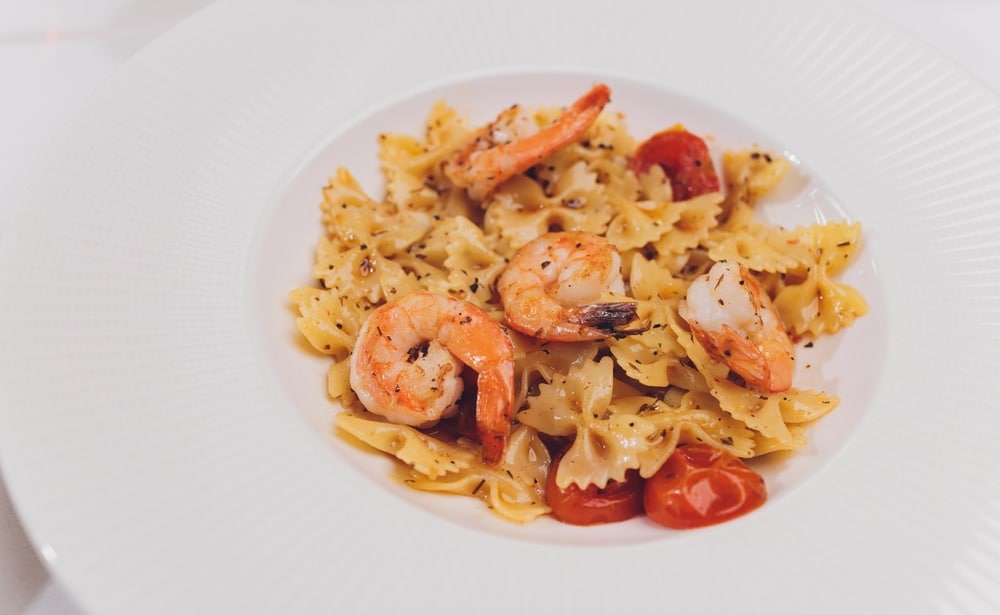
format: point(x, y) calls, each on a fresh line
point(702, 485)
point(618, 501)
point(684, 158)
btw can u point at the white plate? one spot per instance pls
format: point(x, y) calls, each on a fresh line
point(165, 440)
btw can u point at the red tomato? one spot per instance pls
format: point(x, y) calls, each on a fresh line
point(616, 502)
point(684, 158)
point(701, 485)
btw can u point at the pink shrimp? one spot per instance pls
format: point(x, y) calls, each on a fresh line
point(552, 288)
point(735, 322)
point(407, 364)
point(504, 148)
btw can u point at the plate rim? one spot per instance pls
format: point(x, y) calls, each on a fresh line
point(36, 535)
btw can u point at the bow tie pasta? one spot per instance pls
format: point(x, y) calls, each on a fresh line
point(646, 307)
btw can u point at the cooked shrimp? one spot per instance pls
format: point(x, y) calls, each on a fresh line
point(735, 322)
point(552, 287)
point(408, 360)
point(512, 144)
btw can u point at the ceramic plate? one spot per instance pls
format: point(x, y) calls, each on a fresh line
point(166, 438)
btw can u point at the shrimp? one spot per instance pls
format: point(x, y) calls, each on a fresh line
point(552, 287)
point(409, 357)
point(735, 322)
point(512, 144)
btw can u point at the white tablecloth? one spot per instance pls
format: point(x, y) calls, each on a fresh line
point(54, 52)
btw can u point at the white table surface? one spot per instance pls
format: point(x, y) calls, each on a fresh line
point(53, 53)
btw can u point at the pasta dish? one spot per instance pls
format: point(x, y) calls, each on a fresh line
point(555, 317)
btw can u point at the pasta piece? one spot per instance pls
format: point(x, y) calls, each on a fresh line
point(648, 356)
point(802, 406)
point(818, 304)
point(514, 489)
point(352, 218)
point(362, 274)
point(329, 324)
point(581, 392)
point(638, 223)
point(697, 217)
point(748, 174)
point(338, 383)
point(797, 439)
point(464, 265)
point(640, 432)
point(762, 248)
point(412, 167)
point(514, 219)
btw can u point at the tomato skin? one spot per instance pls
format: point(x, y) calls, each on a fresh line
point(618, 501)
point(701, 485)
point(684, 158)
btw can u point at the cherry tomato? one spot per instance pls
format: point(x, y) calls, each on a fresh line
point(684, 158)
point(701, 485)
point(618, 501)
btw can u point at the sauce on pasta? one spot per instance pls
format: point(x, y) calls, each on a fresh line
point(616, 406)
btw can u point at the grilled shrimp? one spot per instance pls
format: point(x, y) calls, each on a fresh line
point(735, 322)
point(409, 357)
point(512, 144)
point(552, 287)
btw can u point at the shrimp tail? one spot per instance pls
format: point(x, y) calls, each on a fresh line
point(493, 414)
point(609, 318)
point(761, 367)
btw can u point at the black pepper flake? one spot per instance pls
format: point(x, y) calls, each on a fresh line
point(414, 353)
point(367, 266)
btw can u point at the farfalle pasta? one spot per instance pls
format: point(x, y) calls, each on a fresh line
point(607, 408)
